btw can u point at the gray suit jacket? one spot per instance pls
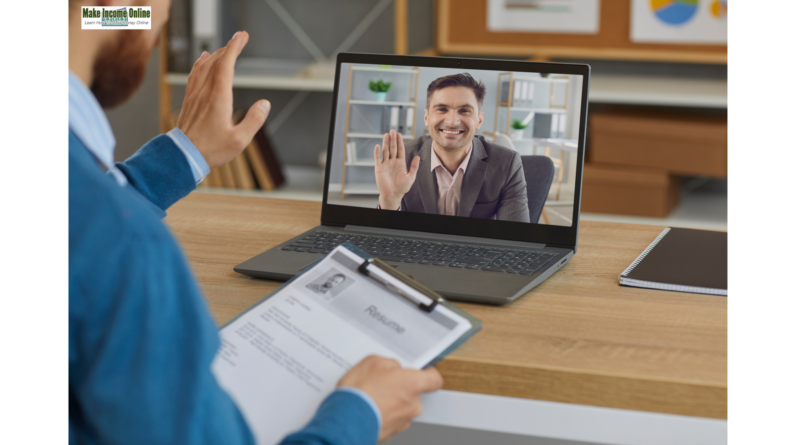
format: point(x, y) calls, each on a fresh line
point(493, 186)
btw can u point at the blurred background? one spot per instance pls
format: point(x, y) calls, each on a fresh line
point(656, 148)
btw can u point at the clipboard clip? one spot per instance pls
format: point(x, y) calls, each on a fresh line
point(400, 284)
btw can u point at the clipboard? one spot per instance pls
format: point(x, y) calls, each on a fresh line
point(401, 285)
point(372, 264)
point(305, 335)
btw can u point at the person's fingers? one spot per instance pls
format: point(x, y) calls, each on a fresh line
point(417, 408)
point(401, 149)
point(192, 102)
point(205, 69)
point(389, 363)
point(403, 426)
point(372, 360)
point(430, 380)
point(393, 145)
point(414, 167)
point(253, 121)
point(385, 147)
point(376, 151)
point(225, 69)
point(195, 72)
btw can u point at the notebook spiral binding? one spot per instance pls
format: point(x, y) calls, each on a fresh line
point(644, 253)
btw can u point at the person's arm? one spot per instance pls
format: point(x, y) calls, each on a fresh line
point(141, 348)
point(165, 169)
point(171, 165)
point(513, 205)
point(343, 418)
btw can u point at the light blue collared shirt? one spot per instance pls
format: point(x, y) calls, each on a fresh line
point(91, 126)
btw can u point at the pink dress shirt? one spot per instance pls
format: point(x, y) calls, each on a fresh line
point(449, 187)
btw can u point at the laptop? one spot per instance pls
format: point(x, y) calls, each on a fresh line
point(490, 210)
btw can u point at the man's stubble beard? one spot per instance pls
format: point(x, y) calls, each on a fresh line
point(120, 68)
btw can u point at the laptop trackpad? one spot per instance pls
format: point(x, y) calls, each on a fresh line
point(277, 264)
point(460, 283)
point(297, 263)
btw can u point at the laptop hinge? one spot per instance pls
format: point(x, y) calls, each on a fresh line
point(442, 237)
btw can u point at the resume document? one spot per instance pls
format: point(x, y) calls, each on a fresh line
point(281, 358)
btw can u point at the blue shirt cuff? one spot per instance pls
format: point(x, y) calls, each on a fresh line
point(195, 159)
point(366, 398)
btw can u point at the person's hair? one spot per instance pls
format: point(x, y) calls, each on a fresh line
point(457, 80)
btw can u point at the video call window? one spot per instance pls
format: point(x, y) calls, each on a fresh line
point(465, 143)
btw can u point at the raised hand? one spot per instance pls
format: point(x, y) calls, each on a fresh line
point(395, 390)
point(206, 115)
point(392, 177)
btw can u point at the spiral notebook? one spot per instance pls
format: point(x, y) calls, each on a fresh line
point(682, 260)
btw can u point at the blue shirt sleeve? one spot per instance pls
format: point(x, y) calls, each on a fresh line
point(165, 169)
point(344, 418)
point(160, 172)
point(199, 166)
point(369, 400)
point(141, 344)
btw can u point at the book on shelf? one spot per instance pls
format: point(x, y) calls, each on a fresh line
point(351, 152)
point(517, 92)
point(385, 119)
point(530, 94)
point(394, 114)
point(554, 127)
point(242, 172)
point(543, 125)
point(179, 37)
point(260, 170)
point(268, 154)
point(213, 179)
point(227, 177)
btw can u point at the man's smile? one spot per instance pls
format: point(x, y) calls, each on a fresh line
point(451, 132)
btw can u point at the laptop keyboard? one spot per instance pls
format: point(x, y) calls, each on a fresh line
point(429, 253)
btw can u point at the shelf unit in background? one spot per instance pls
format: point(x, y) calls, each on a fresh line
point(411, 103)
point(509, 103)
point(607, 89)
point(552, 109)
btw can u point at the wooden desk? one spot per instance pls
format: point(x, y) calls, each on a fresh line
point(578, 338)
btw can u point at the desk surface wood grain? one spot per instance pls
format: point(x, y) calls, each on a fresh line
point(577, 338)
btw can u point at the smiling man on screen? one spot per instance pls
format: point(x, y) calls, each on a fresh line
point(452, 171)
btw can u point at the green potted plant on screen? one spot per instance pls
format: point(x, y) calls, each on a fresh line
point(381, 88)
point(517, 129)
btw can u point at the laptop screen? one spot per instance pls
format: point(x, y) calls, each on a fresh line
point(467, 143)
